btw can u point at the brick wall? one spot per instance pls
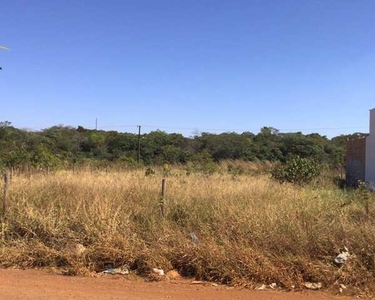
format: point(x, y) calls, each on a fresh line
point(355, 160)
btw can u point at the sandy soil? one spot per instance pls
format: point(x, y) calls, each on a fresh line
point(35, 284)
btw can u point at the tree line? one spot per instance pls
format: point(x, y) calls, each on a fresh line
point(59, 146)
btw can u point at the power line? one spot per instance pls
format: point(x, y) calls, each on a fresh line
point(218, 129)
point(232, 129)
point(325, 128)
point(118, 126)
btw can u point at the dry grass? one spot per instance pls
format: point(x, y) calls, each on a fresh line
point(250, 228)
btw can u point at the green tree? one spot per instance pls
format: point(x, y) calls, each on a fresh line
point(41, 157)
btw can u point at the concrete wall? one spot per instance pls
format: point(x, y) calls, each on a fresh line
point(370, 150)
point(355, 160)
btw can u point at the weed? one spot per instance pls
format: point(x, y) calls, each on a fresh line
point(250, 230)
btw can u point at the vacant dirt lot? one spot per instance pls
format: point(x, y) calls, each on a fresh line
point(33, 284)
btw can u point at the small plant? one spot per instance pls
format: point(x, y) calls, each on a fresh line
point(298, 170)
point(149, 172)
point(166, 170)
point(364, 195)
point(209, 168)
point(235, 170)
point(189, 168)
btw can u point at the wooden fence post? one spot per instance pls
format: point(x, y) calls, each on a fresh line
point(162, 200)
point(5, 195)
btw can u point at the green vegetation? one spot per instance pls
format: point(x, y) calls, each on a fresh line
point(297, 170)
point(62, 146)
point(247, 228)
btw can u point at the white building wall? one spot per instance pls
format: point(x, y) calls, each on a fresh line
point(370, 150)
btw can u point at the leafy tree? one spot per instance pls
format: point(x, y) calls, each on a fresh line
point(229, 146)
point(297, 144)
point(268, 141)
point(66, 145)
point(41, 157)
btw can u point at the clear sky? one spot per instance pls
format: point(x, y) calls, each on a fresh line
point(212, 65)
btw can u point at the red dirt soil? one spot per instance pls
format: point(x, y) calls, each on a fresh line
point(36, 284)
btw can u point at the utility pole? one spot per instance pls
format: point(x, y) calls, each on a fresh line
point(96, 123)
point(139, 144)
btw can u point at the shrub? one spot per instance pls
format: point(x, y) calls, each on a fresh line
point(364, 194)
point(149, 172)
point(166, 170)
point(297, 170)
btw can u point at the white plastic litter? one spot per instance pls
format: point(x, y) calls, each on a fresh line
point(342, 257)
point(313, 285)
point(160, 272)
point(261, 288)
point(194, 238)
point(117, 271)
point(273, 285)
point(343, 286)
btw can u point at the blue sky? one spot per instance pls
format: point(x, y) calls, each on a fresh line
point(181, 65)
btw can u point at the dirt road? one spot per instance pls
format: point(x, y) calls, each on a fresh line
point(34, 284)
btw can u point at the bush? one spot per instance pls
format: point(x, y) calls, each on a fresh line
point(166, 170)
point(297, 170)
point(364, 195)
point(149, 172)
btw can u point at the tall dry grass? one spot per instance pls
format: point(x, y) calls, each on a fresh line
point(250, 228)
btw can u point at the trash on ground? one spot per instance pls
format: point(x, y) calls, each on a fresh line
point(160, 272)
point(117, 271)
point(197, 282)
point(214, 284)
point(342, 257)
point(264, 287)
point(273, 285)
point(261, 288)
point(173, 274)
point(194, 238)
point(313, 285)
point(343, 286)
